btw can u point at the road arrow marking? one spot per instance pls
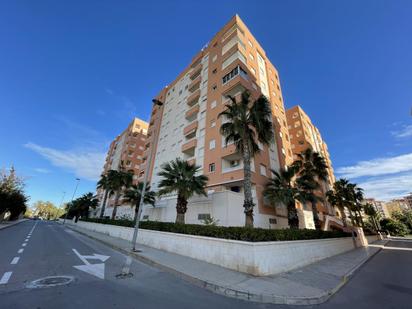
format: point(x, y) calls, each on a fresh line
point(92, 269)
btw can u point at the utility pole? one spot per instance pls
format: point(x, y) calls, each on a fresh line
point(142, 194)
point(74, 193)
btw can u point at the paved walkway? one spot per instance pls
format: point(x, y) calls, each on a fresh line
point(5, 224)
point(313, 284)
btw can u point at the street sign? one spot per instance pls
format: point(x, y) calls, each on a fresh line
point(96, 270)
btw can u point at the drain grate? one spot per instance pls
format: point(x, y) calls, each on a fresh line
point(50, 281)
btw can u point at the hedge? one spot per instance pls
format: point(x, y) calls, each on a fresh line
point(229, 232)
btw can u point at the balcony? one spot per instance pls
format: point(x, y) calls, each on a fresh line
point(195, 72)
point(195, 84)
point(189, 147)
point(191, 128)
point(193, 98)
point(192, 112)
point(191, 161)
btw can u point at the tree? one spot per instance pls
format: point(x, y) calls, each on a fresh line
point(117, 181)
point(80, 207)
point(133, 195)
point(47, 210)
point(246, 123)
point(12, 196)
point(312, 172)
point(394, 227)
point(371, 212)
point(104, 184)
point(338, 197)
point(281, 189)
point(180, 177)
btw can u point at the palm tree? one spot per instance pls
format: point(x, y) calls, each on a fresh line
point(280, 189)
point(134, 193)
point(118, 180)
point(247, 122)
point(104, 184)
point(180, 177)
point(312, 173)
point(371, 212)
point(342, 196)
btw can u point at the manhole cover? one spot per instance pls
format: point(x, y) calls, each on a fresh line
point(50, 282)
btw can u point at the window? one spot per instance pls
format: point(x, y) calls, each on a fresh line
point(262, 170)
point(213, 104)
point(251, 57)
point(273, 221)
point(301, 142)
point(212, 167)
point(234, 163)
point(297, 124)
point(232, 74)
point(295, 115)
point(214, 71)
point(212, 123)
point(214, 58)
point(212, 144)
point(236, 55)
point(214, 87)
point(253, 70)
point(203, 216)
point(250, 43)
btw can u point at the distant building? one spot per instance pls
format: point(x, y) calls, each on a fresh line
point(396, 205)
point(380, 207)
point(125, 150)
point(303, 134)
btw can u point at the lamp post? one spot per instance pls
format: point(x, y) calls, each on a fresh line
point(75, 189)
point(142, 194)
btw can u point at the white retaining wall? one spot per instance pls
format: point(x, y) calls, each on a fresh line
point(259, 258)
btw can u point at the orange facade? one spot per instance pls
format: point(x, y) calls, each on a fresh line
point(187, 125)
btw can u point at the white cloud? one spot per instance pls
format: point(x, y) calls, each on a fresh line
point(86, 164)
point(377, 167)
point(405, 132)
point(387, 188)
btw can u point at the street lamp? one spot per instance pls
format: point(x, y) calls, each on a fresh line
point(74, 193)
point(146, 173)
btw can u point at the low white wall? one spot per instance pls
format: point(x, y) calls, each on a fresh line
point(259, 258)
point(372, 238)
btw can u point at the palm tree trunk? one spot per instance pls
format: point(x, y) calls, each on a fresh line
point(136, 210)
point(316, 220)
point(343, 214)
point(116, 201)
point(106, 193)
point(247, 188)
point(293, 219)
point(361, 219)
point(181, 208)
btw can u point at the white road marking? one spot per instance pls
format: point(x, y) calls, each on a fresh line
point(15, 260)
point(20, 251)
point(92, 269)
point(24, 245)
point(5, 277)
point(26, 240)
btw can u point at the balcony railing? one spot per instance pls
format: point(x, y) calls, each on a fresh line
point(190, 145)
point(192, 127)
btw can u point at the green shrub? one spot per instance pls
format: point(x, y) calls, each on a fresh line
point(394, 227)
point(230, 232)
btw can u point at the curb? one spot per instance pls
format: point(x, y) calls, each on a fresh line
point(12, 224)
point(241, 294)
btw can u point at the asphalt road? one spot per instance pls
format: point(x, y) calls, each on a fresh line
point(384, 282)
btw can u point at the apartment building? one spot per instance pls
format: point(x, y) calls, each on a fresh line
point(304, 134)
point(126, 151)
point(379, 206)
point(187, 126)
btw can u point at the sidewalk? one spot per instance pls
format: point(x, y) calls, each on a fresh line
point(6, 224)
point(313, 284)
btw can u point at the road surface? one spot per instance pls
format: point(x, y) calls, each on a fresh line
point(34, 250)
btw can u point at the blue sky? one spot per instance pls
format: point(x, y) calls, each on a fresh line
point(74, 73)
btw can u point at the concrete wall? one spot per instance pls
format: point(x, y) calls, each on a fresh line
point(260, 258)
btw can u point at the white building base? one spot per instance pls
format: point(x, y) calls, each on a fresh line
point(225, 207)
